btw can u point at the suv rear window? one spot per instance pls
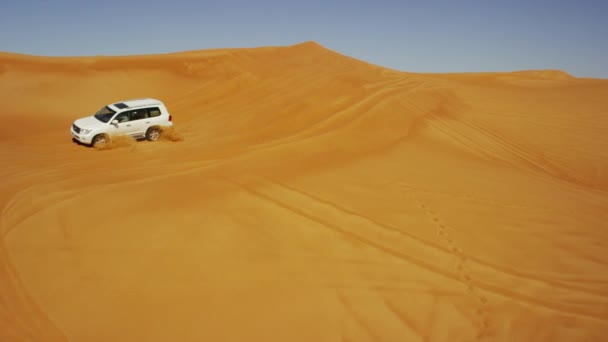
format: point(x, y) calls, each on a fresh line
point(154, 112)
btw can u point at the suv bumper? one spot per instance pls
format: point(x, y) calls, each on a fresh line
point(82, 138)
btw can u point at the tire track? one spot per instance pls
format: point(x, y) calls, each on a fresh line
point(520, 152)
point(337, 120)
point(431, 317)
point(455, 275)
point(401, 317)
point(439, 247)
point(46, 205)
point(557, 283)
point(23, 316)
point(408, 327)
point(351, 236)
point(500, 144)
point(269, 86)
point(468, 144)
point(352, 313)
point(13, 202)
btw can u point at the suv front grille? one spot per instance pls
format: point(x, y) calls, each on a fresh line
point(76, 129)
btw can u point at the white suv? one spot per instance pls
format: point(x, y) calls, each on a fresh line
point(138, 118)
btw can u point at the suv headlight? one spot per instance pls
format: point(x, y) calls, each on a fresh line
point(85, 131)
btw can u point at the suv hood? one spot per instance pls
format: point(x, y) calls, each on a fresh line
point(89, 122)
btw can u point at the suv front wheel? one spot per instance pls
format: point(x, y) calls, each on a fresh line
point(99, 140)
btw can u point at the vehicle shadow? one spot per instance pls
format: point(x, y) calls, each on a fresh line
point(75, 141)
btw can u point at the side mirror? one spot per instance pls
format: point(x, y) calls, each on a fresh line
point(114, 122)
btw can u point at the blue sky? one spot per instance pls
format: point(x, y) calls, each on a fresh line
point(417, 36)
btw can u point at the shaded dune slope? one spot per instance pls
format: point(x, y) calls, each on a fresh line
point(313, 197)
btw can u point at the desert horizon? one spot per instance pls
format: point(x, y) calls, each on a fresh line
point(541, 72)
point(305, 195)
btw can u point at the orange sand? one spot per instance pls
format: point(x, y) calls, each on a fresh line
point(312, 197)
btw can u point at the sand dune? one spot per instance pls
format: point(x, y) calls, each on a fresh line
point(314, 197)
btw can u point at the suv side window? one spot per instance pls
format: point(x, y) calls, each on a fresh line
point(152, 112)
point(139, 114)
point(122, 117)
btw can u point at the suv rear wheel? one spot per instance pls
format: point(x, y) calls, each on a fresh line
point(153, 134)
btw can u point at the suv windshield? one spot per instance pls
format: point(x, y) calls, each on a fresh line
point(104, 114)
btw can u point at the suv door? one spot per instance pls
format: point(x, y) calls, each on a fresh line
point(124, 125)
point(139, 121)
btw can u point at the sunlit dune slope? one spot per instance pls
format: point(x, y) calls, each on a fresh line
point(313, 197)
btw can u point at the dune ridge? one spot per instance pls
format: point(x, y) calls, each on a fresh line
point(305, 195)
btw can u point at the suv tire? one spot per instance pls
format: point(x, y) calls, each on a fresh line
point(153, 134)
point(99, 140)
